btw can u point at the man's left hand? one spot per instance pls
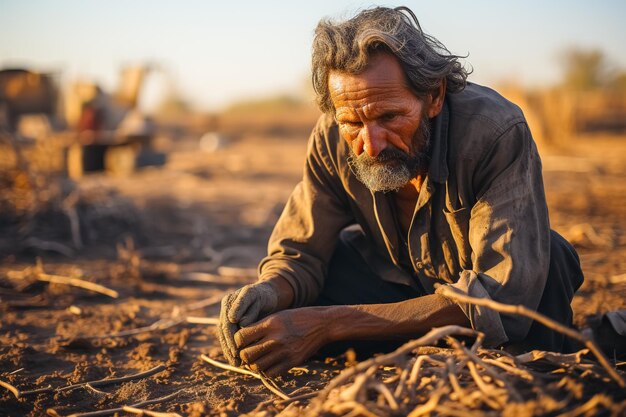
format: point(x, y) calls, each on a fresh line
point(282, 340)
point(242, 308)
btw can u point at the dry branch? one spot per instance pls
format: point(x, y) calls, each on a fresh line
point(510, 369)
point(448, 292)
point(557, 358)
point(111, 381)
point(203, 320)
point(427, 407)
point(214, 278)
point(108, 412)
point(17, 371)
point(88, 384)
point(402, 383)
point(462, 381)
point(591, 406)
point(429, 338)
point(38, 273)
point(19, 393)
point(498, 377)
point(293, 398)
point(148, 413)
point(454, 382)
point(95, 390)
point(16, 392)
point(387, 395)
point(492, 400)
point(269, 384)
point(76, 282)
point(157, 325)
point(162, 324)
point(229, 367)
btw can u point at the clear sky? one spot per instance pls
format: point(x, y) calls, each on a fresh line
point(220, 52)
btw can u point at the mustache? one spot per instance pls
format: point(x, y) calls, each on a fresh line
point(390, 154)
point(416, 160)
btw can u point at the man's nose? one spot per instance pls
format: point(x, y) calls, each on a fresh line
point(373, 140)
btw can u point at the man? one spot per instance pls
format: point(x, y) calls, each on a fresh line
point(413, 177)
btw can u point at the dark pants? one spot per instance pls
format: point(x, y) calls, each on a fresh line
point(350, 281)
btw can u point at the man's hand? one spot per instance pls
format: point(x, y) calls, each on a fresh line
point(242, 308)
point(283, 340)
point(288, 338)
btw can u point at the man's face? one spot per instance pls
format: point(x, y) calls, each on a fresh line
point(384, 122)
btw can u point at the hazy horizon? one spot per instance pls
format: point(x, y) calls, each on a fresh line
point(218, 54)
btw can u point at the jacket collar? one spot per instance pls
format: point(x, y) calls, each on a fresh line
point(383, 211)
point(438, 170)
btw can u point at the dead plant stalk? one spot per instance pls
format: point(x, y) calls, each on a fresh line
point(450, 293)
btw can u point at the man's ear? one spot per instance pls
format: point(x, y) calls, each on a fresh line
point(436, 99)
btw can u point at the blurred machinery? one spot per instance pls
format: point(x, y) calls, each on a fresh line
point(24, 92)
point(103, 131)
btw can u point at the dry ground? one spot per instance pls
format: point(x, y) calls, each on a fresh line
point(211, 212)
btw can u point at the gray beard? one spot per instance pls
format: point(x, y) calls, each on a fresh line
point(392, 168)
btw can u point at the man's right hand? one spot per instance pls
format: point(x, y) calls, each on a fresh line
point(242, 308)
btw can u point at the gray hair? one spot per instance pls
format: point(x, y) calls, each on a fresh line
point(347, 47)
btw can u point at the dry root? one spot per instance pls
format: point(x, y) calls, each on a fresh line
point(417, 380)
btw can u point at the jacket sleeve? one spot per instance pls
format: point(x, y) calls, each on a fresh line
point(305, 235)
point(509, 236)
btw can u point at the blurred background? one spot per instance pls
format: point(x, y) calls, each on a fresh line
point(176, 104)
point(150, 146)
point(211, 57)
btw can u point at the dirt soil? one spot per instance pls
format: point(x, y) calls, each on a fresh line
point(168, 238)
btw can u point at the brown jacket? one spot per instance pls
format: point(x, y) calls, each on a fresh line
point(480, 224)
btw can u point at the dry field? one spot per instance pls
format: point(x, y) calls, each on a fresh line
point(166, 244)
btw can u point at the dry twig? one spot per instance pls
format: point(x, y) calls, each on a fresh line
point(162, 324)
point(38, 273)
point(430, 405)
point(88, 384)
point(148, 413)
point(111, 381)
point(203, 320)
point(448, 292)
point(429, 338)
point(501, 378)
point(269, 384)
point(460, 381)
point(51, 412)
point(214, 278)
point(19, 393)
point(16, 392)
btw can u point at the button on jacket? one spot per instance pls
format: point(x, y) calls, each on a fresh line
point(480, 223)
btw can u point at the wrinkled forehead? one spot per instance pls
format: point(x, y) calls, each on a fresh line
point(383, 78)
point(381, 68)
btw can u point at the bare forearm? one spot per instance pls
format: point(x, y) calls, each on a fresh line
point(287, 338)
point(393, 321)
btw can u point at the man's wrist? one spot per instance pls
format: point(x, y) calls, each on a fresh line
point(334, 320)
point(324, 319)
point(283, 290)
